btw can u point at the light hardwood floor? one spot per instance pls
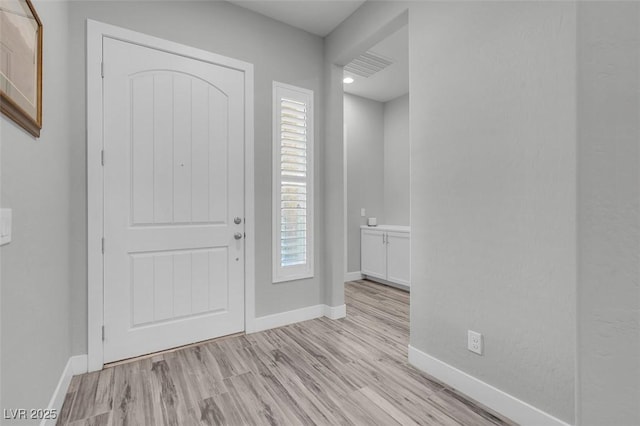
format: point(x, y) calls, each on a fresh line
point(324, 372)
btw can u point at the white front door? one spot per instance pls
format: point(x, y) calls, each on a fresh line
point(173, 187)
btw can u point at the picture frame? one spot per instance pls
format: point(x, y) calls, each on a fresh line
point(21, 64)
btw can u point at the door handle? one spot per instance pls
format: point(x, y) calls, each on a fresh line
point(237, 235)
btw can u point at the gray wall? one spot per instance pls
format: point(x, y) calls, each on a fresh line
point(334, 202)
point(34, 278)
point(608, 206)
point(364, 123)
point(231, 31)
point(396, 161)
point(493, 204)
point(493, 178)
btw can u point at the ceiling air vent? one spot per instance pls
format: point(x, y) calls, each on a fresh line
point(367, 64)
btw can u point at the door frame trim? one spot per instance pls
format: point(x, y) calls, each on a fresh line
point(96, 31)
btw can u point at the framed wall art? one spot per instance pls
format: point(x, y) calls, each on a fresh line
point(21, 64)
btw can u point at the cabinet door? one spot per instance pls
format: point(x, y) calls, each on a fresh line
point(398, 258)
point(373, 261)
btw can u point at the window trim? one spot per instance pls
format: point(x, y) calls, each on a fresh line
point(298, 272)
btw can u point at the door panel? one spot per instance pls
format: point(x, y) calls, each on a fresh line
point(187, 180)
point(373, 254)
point(398, 258)
point(174, 179)
point(169, 285)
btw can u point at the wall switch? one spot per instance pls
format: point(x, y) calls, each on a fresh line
point(5, 226)
point(474, 342)
point(362, 212)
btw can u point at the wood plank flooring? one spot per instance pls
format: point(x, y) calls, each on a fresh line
point(351, 371)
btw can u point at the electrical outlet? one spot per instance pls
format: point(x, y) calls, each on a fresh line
point(362, 212)
point(474, 342)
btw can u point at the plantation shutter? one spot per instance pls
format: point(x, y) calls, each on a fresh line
point(293, 169)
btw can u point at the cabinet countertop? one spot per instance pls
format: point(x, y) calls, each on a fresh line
point(391, 228)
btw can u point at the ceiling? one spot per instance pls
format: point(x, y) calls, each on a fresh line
point(392, 81)
point(314, 16)
point(320, 17)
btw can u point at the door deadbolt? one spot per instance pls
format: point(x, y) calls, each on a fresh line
point(237, 220)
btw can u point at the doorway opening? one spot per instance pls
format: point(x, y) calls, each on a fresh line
point(377, 152)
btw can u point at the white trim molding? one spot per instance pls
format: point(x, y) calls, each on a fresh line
point(352, 276)
point(96, 32)
point(490, 396)
point(335, 312)
point(285, 318)
point(297, 315)
point(75, 365)
point(386, 282)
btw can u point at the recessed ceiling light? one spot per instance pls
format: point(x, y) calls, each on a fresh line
point(347, 80)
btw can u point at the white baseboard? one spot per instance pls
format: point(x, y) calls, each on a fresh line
point(352, 276)
point(75, 365)
point(285, 318)
point(297, 315)
point(505, 404)
point(387, 283)
point(335, 312)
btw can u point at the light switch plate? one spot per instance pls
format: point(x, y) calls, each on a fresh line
point(5, 226)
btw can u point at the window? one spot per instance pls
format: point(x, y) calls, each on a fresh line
point(292, 183)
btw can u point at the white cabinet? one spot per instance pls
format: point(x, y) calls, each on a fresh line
point(373, 261)
point(398, 254)
point(385, 254)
